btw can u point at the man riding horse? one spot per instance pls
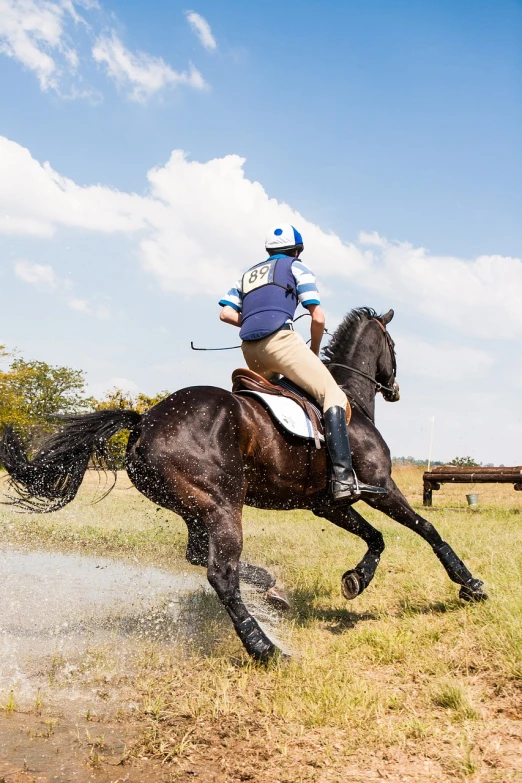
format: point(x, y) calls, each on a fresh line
point(263, 303)
point(204, 452)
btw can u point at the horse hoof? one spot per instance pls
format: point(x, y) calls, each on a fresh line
point(276, 597)
point(351, 585)
point(473, 592)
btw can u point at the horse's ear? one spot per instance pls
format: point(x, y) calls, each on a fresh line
point(386, 318)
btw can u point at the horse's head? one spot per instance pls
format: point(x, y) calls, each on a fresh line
point(387, 364)
point(361, 356)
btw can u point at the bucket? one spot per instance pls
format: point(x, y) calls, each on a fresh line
point(472, 499)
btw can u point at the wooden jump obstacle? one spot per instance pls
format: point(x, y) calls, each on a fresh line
point(447, 474)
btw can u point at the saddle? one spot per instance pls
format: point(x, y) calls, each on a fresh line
point(247, 381)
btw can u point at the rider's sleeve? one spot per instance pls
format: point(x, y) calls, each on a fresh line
point(307, 293)
point(234, 297)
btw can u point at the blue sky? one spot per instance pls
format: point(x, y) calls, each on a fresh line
point(389, 131)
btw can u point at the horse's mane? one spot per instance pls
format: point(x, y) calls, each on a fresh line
point(345, 336)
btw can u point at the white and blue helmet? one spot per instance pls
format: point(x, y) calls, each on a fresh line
point(283, 237)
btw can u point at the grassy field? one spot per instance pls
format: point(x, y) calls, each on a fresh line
point(406, 683)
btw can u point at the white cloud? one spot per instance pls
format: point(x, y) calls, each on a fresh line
point(101, 388)
point(214, 224)
point(36, 200)
point(124, 383)
point(439, 361)
point(43, 277)
point(372, 238)
point(141, 73)
point(479, 297)
point(34, 33)
point(79, 304)
point(43, 36)
point(201, 223)
point(202, 29)
point(83, 306)
point(39, 275)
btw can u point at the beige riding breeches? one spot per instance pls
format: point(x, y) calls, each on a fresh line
point(286, 352)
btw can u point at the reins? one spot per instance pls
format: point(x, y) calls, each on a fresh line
point(378, 386)
point(354, 400)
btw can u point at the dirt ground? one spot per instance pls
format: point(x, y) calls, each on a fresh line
point(37, 749)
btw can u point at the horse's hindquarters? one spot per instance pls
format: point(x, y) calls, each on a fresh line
point(186, 455)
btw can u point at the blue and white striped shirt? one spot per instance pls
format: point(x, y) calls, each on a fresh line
point(307, 293)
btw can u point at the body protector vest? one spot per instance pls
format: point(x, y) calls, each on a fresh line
point(269, 297)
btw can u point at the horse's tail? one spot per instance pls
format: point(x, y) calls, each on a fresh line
point(51, 479)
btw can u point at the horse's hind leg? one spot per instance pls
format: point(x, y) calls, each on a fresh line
point(197, 554)
point(357, 579)
point(258, 577)
point(197, 545)
point(395, 505)
point(225, 544)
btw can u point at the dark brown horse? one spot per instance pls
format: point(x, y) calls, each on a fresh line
point(204, 452)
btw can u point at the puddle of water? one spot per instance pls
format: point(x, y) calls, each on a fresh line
point(56, 604)
point(59, 612)
point(57, 607)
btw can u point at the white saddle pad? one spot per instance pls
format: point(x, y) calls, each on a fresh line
point(288, 413)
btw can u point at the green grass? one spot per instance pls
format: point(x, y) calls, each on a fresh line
point(406, 673)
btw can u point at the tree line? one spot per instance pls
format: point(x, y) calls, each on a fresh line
point(34, 394)
point(460, 462)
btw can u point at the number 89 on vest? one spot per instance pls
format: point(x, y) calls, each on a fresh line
point(260, 275)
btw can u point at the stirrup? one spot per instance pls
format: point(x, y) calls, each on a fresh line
point(348, 490)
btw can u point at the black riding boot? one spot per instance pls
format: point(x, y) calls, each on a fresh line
point(343, 483)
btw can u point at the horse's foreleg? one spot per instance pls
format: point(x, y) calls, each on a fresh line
point(395, 505)
point(225, 544)
point(356, 580)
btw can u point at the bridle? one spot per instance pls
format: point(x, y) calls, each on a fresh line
point(378, 386)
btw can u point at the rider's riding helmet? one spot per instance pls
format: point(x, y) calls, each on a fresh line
point(283, 237)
